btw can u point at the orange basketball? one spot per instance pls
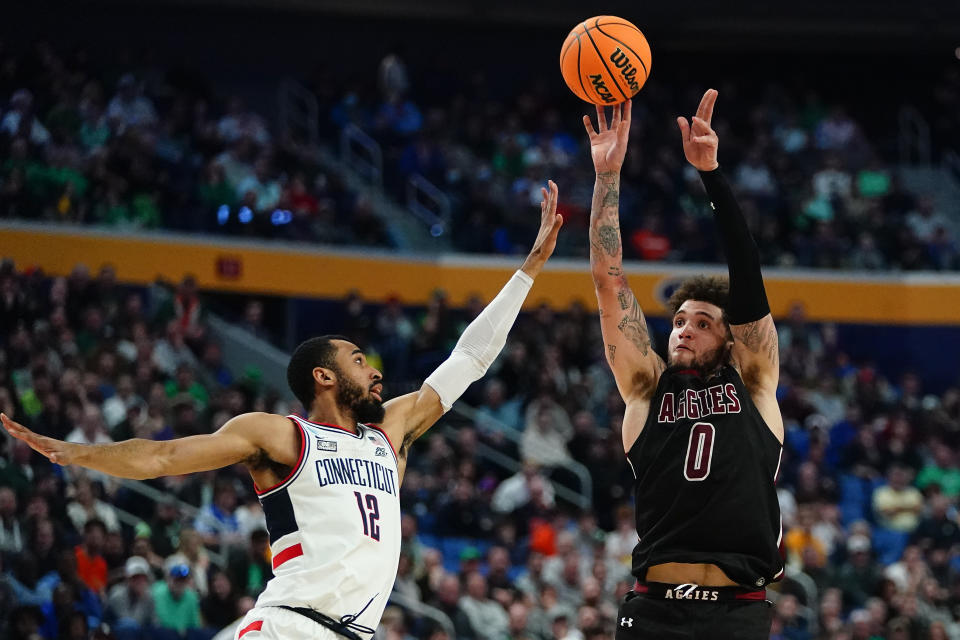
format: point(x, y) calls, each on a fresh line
point(605, 60)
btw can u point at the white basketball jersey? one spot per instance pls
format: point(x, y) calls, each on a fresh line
point(334, 526)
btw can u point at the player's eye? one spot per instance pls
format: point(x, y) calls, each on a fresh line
point(704, 324)
point(678, 322)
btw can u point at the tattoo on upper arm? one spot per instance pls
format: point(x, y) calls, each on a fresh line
point(611, 352)
point(623, 296)
point(759, 336)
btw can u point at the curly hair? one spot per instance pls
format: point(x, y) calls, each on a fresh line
point(712, 289)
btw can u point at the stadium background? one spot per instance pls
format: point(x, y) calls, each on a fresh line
point(392, 220)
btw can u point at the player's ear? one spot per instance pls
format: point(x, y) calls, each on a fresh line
point(324, 377)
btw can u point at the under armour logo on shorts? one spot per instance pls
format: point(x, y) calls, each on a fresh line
point(626, 622)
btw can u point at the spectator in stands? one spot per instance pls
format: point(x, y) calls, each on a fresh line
point(568, 584)
point(497, 411)
point(12, 539)
point(462, 513)
point(177, 603)
point(240, 123)
point(248, 568)
point(130, 605)
point(191, 552)
point(544, 443)
point(519, 490)
point(941, 471)
point(90, 564)
point(859, 577)
point(897, 504)
point(21, 120)
point(217, 522)
point(85, 506)
point(92, 429)
point(448, 601)
point(42, 544)
point(219, 606)
point(487, 617)
point(129, 107)
point(938, 529)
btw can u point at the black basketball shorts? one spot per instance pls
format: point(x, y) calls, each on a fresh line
point(690, 612)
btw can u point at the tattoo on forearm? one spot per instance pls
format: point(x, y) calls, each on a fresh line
point(614, 271)
point(612, 197)
point(609, 237)
point(623, 297)
point(636, 332)
point(634, 326)
point(604, 218)
point(611, 352)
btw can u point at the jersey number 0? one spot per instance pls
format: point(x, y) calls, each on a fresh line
point(699, 452)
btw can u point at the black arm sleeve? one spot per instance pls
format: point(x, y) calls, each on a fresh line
point(748, 298)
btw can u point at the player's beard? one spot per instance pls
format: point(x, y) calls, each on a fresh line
point(366, 410)
point(709, 362)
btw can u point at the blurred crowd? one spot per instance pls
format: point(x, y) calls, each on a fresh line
point(818, 190)
point(869, 482)
point(137, 145)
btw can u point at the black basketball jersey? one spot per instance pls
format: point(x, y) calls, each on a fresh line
point(705, 466)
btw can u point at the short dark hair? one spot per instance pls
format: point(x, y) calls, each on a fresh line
point(93, 523)
point(310, 354)
point(712, 289)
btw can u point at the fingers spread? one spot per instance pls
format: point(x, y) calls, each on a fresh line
point(601, 119)
point(617, 114)
point(627, 109)
point(588, 125)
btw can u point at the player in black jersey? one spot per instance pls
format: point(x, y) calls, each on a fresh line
point(702, 432)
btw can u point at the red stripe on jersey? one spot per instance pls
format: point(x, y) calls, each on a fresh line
point(256, 625)
point(752, 595)
point(287, 554)
point(303, 450)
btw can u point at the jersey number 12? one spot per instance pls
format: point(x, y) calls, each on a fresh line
point(699, 452)
point(369, 515)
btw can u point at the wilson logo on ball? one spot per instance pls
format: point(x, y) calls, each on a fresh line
point(627, 70)
point(601, 88)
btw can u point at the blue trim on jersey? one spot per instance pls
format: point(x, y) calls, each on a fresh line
point(330, 427)
point(278, 510)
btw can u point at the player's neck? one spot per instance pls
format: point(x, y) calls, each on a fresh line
point(323, 413)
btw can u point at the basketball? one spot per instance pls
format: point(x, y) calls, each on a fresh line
point(605, 60)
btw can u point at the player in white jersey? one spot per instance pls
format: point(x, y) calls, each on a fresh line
point(329, 484)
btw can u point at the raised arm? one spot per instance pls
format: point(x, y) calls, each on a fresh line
point(755, 348)
point(140, 459)
point(635, 365)
point(408, 417)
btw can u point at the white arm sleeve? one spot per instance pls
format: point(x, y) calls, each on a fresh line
point(480, 343)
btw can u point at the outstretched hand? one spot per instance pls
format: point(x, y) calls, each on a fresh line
point(55, 451)
point(608, 145)
point(700, 141)
point(550, 223)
